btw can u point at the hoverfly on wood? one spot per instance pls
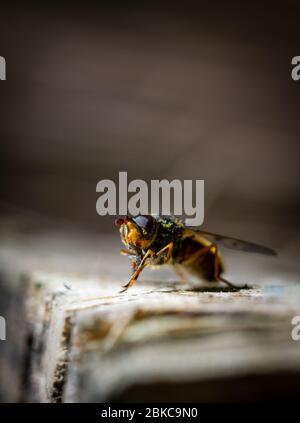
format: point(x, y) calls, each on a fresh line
point(157, 240)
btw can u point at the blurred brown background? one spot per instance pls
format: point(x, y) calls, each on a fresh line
point(162, 91)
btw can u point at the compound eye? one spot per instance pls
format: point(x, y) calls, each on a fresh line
point(145, 223)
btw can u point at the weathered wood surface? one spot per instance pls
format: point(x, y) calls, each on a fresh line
point(74, 337)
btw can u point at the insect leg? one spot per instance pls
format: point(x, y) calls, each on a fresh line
point(212, 249)
point(149, 254)
point(138, 270)
point(167, 248)
point(218, 277)
point(134, 265)
point(197, 254)
point(230, 284)
point(125, 252)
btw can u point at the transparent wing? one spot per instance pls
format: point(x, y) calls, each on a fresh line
point(236, 244)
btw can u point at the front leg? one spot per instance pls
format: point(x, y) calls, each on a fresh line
point(150, 258)
point(135, 262)
point(138, 269)
point(135, 258)
point(127, 252)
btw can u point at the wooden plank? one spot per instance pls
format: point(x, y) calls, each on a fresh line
point(161, 340)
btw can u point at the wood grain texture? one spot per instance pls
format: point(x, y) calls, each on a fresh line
point(73, 336)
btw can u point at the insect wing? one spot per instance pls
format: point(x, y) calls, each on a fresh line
point(236, 244)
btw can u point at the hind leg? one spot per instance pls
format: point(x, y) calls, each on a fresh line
point(211, 249)
point(217, 273)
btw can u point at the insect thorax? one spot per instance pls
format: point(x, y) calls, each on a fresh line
point(169, 230)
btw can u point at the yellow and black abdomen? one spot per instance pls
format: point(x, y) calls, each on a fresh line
point(202, 265)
